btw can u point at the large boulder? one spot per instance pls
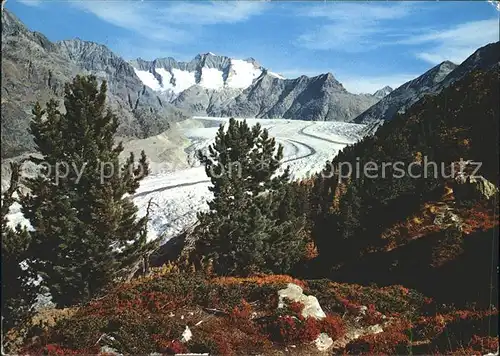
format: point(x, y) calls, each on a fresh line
point(468, 185)
point(475, 187)
point(295, 293)
point(323, 342)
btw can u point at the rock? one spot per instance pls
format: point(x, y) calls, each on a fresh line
point(36, 69)
point(109, 350)
point(374, 329)
point(186, 335)
point(105, 341)
point(492, 354)
point(447, 217)
point(319, 98)
point(467, 185)
point(363, 309)
point(406, 95)
point(323, 342)
point(295, 293)
point(475, 187)
point(356, 333)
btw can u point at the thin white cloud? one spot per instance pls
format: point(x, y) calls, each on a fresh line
point(455, 43)
point(174, 22)
point(351, 27)
point(369, 84)
point(211, 13)
point(129, 50)
point(138, 17)
point(30, 2)
point(297, 72)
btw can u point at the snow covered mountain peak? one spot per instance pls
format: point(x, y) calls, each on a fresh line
point(207, 70)
point(383, 92)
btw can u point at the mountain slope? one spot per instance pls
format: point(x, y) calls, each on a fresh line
point(482, 59)
point(458, 124)
point(316, 98)
point(221, 86)
point(431, 82)
point(33, 68)
point(379, 94)
point(405, 95)
point(207, 70)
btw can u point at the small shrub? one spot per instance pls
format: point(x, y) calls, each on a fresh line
point(388, 343)
point(485, 344)
point(333, 326)
point(372, 316)
point(298, 330)
point(295, 307)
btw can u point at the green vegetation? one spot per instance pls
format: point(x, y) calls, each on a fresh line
point(18, 291)
point(86, 233)
point(253, 224)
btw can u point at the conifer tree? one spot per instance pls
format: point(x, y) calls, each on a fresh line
point(18, 291)
point(86, 230)
point(248, 228)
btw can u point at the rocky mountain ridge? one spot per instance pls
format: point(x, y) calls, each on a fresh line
point(149, 95)
point(36, 69)
point(431, 82)
point(207, 70)
point(383, 92)
point(215, 85)
point(306, 98)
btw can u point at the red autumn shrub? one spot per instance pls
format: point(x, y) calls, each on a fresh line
point(223, 345)
point(168, 346)
point(242, 312)
point(292, 330)
point(57, 350)
point(333, 326)
point(273, 279)
point(311, 328)
point(372, 316)
point(284, 329)
point(349, 306)
point(175, 347)
point(485, 344)
point(388, 343)
point(479, 217)
point(296, 307)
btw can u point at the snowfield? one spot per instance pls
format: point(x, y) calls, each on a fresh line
point(177, 196)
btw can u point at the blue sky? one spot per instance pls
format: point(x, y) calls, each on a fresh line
point(366, 45)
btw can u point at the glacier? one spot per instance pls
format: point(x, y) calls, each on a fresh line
point(177, 196)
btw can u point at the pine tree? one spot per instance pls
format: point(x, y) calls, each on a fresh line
point(86, 230)
point(350, 212)
point(248, 227)
point(18, 291)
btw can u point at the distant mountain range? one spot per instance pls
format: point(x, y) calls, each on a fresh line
point(33, 68)
point(221, 86)
point(149, 95)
